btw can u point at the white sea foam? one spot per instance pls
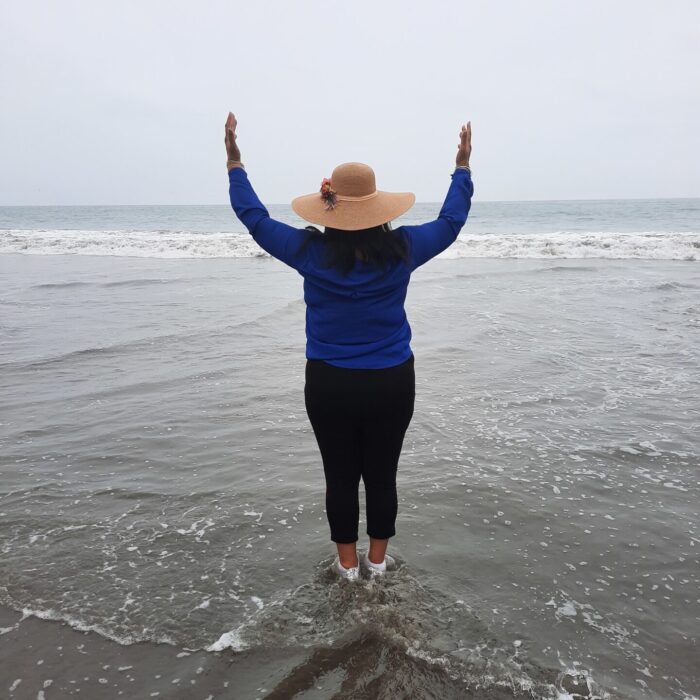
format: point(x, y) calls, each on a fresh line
point(82, 626)
point(229, 640)
point(647, 245)
point(139, 244)
point(643, 245)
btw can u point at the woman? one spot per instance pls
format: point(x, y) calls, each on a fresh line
point(360, 381)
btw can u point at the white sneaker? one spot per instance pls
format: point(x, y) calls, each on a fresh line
point(351, 574)
point(376, 569)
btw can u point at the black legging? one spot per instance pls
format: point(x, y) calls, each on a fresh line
point(360, 417)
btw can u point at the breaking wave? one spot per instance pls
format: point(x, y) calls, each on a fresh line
point(646, 245)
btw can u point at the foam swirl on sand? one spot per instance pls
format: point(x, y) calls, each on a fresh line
point(395, 637)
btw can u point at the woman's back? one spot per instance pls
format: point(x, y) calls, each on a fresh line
point(356, 319)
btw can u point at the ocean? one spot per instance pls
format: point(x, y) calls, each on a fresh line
point(162, 523)
point(620, 229)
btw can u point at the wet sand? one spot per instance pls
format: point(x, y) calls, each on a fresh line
point(49, 657)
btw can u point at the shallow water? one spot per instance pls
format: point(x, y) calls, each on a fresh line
point(160, 481)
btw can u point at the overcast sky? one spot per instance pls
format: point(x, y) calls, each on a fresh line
point(124, 102)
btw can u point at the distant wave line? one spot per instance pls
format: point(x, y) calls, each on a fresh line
point(642, 245)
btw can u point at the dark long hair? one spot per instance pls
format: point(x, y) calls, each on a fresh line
point(379, 246)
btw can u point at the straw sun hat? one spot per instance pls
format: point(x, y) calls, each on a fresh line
point(350, 200)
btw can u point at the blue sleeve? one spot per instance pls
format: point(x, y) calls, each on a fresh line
point(428, 240)
point(279, 239)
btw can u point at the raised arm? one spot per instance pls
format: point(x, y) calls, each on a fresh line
point(277, 238)
point(428, 240)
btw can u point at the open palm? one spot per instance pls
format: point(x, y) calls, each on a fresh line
point(464, 150)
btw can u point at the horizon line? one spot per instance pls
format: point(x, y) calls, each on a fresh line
point(276, 204)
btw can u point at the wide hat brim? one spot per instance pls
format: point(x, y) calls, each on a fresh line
point(354, 214)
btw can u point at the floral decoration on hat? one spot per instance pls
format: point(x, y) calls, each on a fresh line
point(328, 194)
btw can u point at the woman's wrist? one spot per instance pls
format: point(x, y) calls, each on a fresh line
point(231, 164)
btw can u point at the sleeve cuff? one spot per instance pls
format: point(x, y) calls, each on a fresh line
point(233, 170)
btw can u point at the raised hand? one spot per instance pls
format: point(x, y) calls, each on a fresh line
point(230, 139)
point(464, 150)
